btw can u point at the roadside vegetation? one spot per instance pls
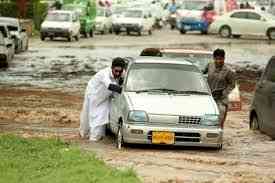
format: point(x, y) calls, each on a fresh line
point(51, 160)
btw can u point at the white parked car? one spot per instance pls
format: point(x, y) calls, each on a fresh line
point(61, 23)
point(165, 101)
point(103, 20)
point(134, 20)
point(244, 22)
point(17, 32)
point(7, 38)
point(5, 52)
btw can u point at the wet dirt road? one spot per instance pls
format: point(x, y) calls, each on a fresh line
point(41, 94)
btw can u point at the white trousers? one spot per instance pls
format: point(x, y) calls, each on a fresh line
point(97, 132)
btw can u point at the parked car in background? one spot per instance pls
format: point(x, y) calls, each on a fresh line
point(103, 20)
point(195, 16)
point(262, 110)
point(165, 101)
point(5, 52)
point(134, 20)
point(244, 22)
point(61, 23)
point(17, 33)
point(7, 38)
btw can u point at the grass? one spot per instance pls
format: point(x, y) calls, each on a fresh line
point(43, 161)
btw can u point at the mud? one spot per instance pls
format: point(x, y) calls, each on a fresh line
point(41, 94)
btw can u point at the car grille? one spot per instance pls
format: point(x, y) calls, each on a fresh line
point(183, 136)
point(55, 29)
point(193, 120)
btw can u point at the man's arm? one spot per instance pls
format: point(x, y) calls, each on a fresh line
point(231, 79)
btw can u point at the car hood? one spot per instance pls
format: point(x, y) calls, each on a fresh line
point(156, 103)
point(53, 24)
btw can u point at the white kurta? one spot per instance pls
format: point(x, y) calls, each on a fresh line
point(96, 105)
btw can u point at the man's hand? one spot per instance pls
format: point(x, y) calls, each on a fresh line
point(115, 88)
point(120, 81)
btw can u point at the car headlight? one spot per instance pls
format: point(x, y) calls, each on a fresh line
point(210, 120)
point(138, 116)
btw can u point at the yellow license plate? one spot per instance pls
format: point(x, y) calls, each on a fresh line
point(163, 138)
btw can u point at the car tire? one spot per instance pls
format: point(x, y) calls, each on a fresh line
point(86, 34)
point(117, 32)
point(77, 36)
point(42, 38)
point(271, 34)
point(128, 32)
point(225, 31)
point(254, 123)
point(149, 32)
point(91, 33)
point(119, 138)
point(139, 33)
point(204, 32)
point(182, 31)
point(70, 37)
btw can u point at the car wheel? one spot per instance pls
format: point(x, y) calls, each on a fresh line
point(204, 32)
point(254, 123)
point(42, 38)
point(128, 32)
point(182, 31)
point(271, 34)
point(111, 30)
point(77, 36)
point(119, 138)
point(225, 31)
point(117, 32)
point(237, 36)
point(91, 33)
point(51, 38)
point(70, 37)
point(150, 32)
point(86, 34)
point(219, 147)
point(139, 33)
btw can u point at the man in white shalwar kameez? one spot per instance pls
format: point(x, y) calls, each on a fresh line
point(96, 105)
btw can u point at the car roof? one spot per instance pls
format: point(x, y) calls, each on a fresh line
point(183, 50)
point(160, 60)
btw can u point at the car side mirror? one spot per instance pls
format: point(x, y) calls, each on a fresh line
point(145, 16)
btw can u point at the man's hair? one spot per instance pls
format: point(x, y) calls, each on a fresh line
point(151, 52)
point(219, 53)
point(118, 62)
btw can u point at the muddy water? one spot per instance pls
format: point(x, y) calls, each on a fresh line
point(62, 68)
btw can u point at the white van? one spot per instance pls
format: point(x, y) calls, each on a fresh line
point(61, 23)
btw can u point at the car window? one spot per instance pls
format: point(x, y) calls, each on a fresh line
point(169, 76)
point(1, 39)
point(200, 60)
point(253, 16)
point(240, 15)
point(194, 5)
point(12, 28)
point(3, 31)
point(270, 73)
point(133, 14)
point(59, 17)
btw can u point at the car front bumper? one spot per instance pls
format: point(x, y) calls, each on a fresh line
point(129, 27)
point(184, 136)
point(55, 33)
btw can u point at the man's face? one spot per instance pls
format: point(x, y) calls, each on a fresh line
point(117, 72)
point(219, 61)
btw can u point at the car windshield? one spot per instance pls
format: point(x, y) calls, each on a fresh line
point(194, 5)
point(100, 12)
point(133, 14)
point(12, 28)
point(269, 16)
point(1, 39)
point(200, 60)
point(3, 31)
point(119, 10)
point(59, 17)
point(175, 78)
point(78, 8)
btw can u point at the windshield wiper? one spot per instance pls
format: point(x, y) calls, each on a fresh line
point(158, 90)
point(193, 92)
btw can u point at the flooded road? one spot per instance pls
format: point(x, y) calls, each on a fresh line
point(41, 94)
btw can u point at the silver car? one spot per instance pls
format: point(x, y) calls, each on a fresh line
point(262, 110)
point(5, 53)
point(17, 32)
point(165, 101)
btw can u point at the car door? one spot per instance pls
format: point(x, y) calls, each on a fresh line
point(260, 101)
point(269, 90)
point(114, 112)
point(108, 19)
point(238, 22)
point(75, 24)
point(255, 24)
